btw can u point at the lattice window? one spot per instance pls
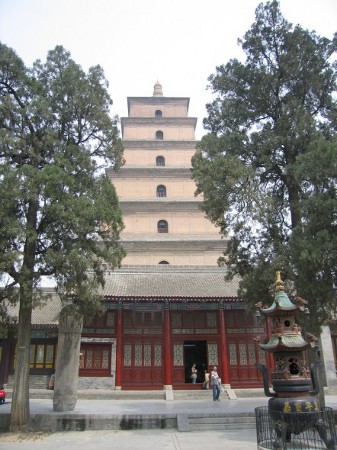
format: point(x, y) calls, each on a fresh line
point(233, 361)
point(39, 355)
point(199, 319)
point(105, 359)
point(211, 319)
point(127, 318)
point(49, 356)
point(138, 355)
point(188, 320)
point(32, 355)
point(147, 354)
point(110, 319)
point(178, 355)
point(157, 354)
point(243, 354)
point(99, 324)
point(251, 352)
point(88, 364)
point(97, 361)
point(176, 320)
point(127, 355)
point(230, 320)
point(212, 354)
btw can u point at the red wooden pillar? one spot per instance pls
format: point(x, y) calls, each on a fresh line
point(118, 383)
point(224, 358)
point(167, 347)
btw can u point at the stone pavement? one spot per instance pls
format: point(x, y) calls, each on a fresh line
point(134, 440)
point(170, 438)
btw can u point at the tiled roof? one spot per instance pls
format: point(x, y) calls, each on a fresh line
point(170, 281)
point(46, 314)
point(146, 281)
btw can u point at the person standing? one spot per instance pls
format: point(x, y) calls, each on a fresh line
point(215, 383)
point(206, 380)
point(194, 373)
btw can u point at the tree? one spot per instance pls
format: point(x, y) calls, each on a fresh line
point(267, 167)
point(60, 215)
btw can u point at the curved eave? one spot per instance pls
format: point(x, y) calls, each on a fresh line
point(285, 343)
point(162, 299)
point(275, 309)
point(284, 348)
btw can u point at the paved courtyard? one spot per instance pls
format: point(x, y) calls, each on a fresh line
point(137, 439)
point(167, 439)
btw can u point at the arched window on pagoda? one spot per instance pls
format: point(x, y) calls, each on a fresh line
point(162, 226)
point(161, 191)
point(158, 113)
point(164, 262)
point(159, 135)
point(160, 161)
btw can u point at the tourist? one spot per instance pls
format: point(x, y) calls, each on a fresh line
point(215, 383)
point(194, 373)
point(206, 380)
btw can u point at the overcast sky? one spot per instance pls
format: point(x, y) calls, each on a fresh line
point(178, 42)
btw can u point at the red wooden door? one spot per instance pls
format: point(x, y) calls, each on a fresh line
point(142, 364)
point(244, 354)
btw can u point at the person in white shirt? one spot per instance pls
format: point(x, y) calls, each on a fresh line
point(194, 373)
point(215, 383)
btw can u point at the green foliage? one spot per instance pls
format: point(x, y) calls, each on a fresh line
point(60, 215)
point(267, 167)
point(55, 135)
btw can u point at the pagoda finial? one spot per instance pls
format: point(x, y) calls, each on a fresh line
point(279, 285)
point(158, 90)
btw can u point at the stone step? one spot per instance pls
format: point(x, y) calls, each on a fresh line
point(98, 394)
point(215, 421)
point(222, 422)
point(197, 395)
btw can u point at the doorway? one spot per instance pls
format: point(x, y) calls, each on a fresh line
point(195, 352)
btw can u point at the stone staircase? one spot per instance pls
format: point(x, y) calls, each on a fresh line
point(197, 395)
point(220, 421)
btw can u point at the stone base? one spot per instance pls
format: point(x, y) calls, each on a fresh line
point(62, 404)
point(168, 392)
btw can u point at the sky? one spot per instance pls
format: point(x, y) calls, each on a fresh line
point(137, 42)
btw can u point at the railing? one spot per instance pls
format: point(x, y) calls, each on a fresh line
point(287, 431)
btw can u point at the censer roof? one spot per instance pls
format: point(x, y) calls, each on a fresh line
point(285, 343)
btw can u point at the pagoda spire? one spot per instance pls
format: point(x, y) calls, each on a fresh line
point(157, 90)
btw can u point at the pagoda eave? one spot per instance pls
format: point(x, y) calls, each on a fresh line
point(282, 347)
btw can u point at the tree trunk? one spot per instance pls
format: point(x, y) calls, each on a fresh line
point(20, 415)
point(294, 203)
